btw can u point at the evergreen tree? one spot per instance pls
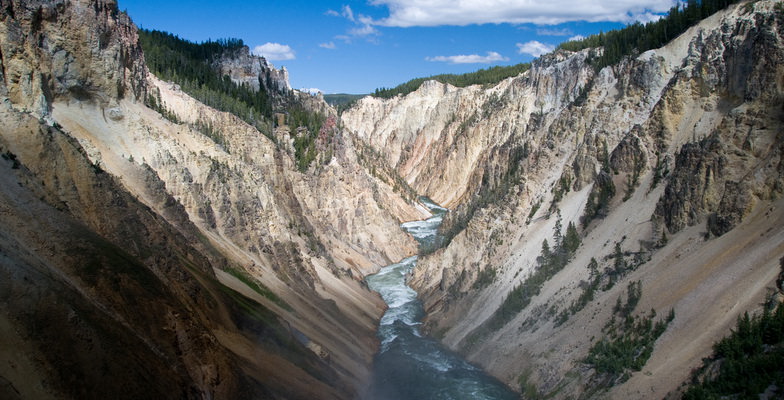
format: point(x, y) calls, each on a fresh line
point(488, 76)
point(572, 239)
point(557, 235)
point(637, 38)
point(546, 255)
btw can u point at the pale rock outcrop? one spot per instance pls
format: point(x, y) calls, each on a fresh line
point(676, 153)
point(252, 70)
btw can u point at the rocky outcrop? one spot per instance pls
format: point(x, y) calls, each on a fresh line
point(254, 71)
point(693, 187)
point(84, 50)
point(671, 159)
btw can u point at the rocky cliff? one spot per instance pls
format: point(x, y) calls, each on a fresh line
point(145, 258)
point(189, 255)
point(667, 164)
point(254, 71)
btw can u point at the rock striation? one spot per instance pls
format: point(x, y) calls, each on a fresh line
point(142, 258)
point(669, 165)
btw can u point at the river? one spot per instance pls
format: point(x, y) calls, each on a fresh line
point(410, 365)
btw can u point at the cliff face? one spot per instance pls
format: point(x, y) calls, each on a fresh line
point(52, 49)
point(671, 159)
point(252, 70)
point(141, 257)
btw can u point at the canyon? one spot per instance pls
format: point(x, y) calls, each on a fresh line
point(670, 165)
point(144, 256)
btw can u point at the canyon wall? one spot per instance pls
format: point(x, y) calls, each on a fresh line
point(668, 165)
point(142, 257)
point(189, 255)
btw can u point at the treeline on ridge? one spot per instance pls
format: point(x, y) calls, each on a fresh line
point(637, 38)
point(189, 65)
point(633, 39)
point(481, 77)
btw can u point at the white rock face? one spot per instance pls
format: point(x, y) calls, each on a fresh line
point(246, 68)
point(687, 134)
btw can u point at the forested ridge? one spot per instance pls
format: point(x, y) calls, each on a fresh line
point(633, 39)
point(487, 76)
point(189, 65)
point(748, 362)
point(637, 38)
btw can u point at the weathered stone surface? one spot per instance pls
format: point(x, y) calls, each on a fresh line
point(688, 135)
point(148, 223)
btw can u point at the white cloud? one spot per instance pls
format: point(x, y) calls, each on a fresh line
point(575, 37)
point(363, 31)
point(312, 91)
point(534, 48)
point(407, 13)
point(346, 12)
point(469, 59)
point(554, 32)
point(328, 45)
point(274, 51)
point(363, 26)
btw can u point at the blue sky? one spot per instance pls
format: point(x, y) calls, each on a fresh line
point(357, 46)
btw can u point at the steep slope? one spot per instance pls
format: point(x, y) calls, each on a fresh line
point(669, 165)
point(142, 258)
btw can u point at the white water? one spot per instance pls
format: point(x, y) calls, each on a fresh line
point(410, 365)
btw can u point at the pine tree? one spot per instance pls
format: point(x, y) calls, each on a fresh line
point(572, 239)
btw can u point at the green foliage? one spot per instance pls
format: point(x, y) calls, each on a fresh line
point(487, 76)
point(749, 360)
point(598, 203)
point(627, 346)
point(619, 268)
point(489, 192)
point(586, 296)
point(258, 287)
point(466, 123)
point(629, 343)
point(637, 38)
point(485, 278)
point(534, 209)
point(571, 240)
point(583, 95)
point(527, 388)
point(561, 187)
point(342, 101)
point(8, 155)
point(633, 179)
point(550, 263)
point(660, 171)
point(780, 279)
point(207, 129)
point(189, 65)
point(604, 280)
point(602, 193)
point(633, 294)
point(307, 126)
point(342, 98)
point(154, 102)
